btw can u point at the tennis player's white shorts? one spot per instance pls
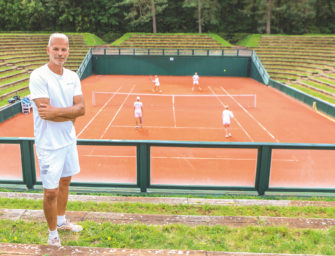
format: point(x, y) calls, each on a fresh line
point(195, 82)
point(138, 114)
point(56, 164)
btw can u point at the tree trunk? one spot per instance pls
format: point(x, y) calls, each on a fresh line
point(153, 12)
point(268, 16)
point(199, 16)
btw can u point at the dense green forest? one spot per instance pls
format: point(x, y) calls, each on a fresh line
point(111, 18)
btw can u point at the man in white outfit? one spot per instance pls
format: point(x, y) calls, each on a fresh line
point(138, 111)
point(57, 102)
point(196, 81)
point(226, 116)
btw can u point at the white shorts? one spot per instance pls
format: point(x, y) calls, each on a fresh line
point(195, 82)
point(56, 164)
point(138, 114)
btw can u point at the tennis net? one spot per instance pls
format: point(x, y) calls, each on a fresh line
point(175, 100)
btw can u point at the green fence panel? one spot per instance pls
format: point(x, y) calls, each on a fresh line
point(263, 169)
point(28, 163)
point(10, 111)
point(143, 166)
point(171, 65)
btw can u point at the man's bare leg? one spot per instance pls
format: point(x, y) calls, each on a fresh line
point(50, 207)
point(63, 195)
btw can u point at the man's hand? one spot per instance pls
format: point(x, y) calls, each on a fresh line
point(51, 113)
point(46, 111)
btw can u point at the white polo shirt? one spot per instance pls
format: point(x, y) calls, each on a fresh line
point(138, 106)
point(196, 79)
point(60, 89)
point(226, 115)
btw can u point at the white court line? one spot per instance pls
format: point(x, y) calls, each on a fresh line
point(117, 112)
point(193, 158)
point(249, 114)
point(238, 123)
point(96, 114)
point(174, 113)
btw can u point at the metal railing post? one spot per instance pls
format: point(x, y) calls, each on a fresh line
point(28, 163)
point(143, 166)
point(263, 169)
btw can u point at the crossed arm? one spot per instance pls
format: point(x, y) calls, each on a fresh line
point(51, 113)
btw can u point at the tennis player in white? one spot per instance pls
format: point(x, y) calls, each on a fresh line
point(138, 111)
point(57, 102)
point(226, 116)
point(196, 81)
point(156, 84)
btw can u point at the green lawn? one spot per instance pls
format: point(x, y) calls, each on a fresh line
point(177, 236)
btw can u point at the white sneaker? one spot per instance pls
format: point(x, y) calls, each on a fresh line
point(227, 136)
point(54, 241)
point(67, 225)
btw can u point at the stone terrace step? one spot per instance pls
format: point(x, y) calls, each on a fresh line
point(157, 219)
point(32, 249)
point(176, 200)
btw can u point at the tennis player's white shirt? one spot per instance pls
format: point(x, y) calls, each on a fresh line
point(156, 81)
point(60, 89)
point(138, 109)
point(195, 79)
point(226, 115)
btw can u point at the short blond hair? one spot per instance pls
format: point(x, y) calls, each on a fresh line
point(58, 35)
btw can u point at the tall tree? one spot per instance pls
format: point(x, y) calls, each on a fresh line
point(207, 11)
point(268, 16)
point(142, 11)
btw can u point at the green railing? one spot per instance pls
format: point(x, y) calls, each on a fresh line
point(85, 68)
point(143, 156)
point(172, 52)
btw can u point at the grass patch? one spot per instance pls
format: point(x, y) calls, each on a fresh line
point(211, 238)
point(92, 40)
point(222, 41)
point(14, 79)
point(321, 86)
point(123, 38)
point(314, 93)
point(4, 102)
point(250, 40)
point(326, 80)
point(12, 72)
point(179, 209)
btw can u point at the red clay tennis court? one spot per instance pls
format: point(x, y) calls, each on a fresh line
point(262, 114)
